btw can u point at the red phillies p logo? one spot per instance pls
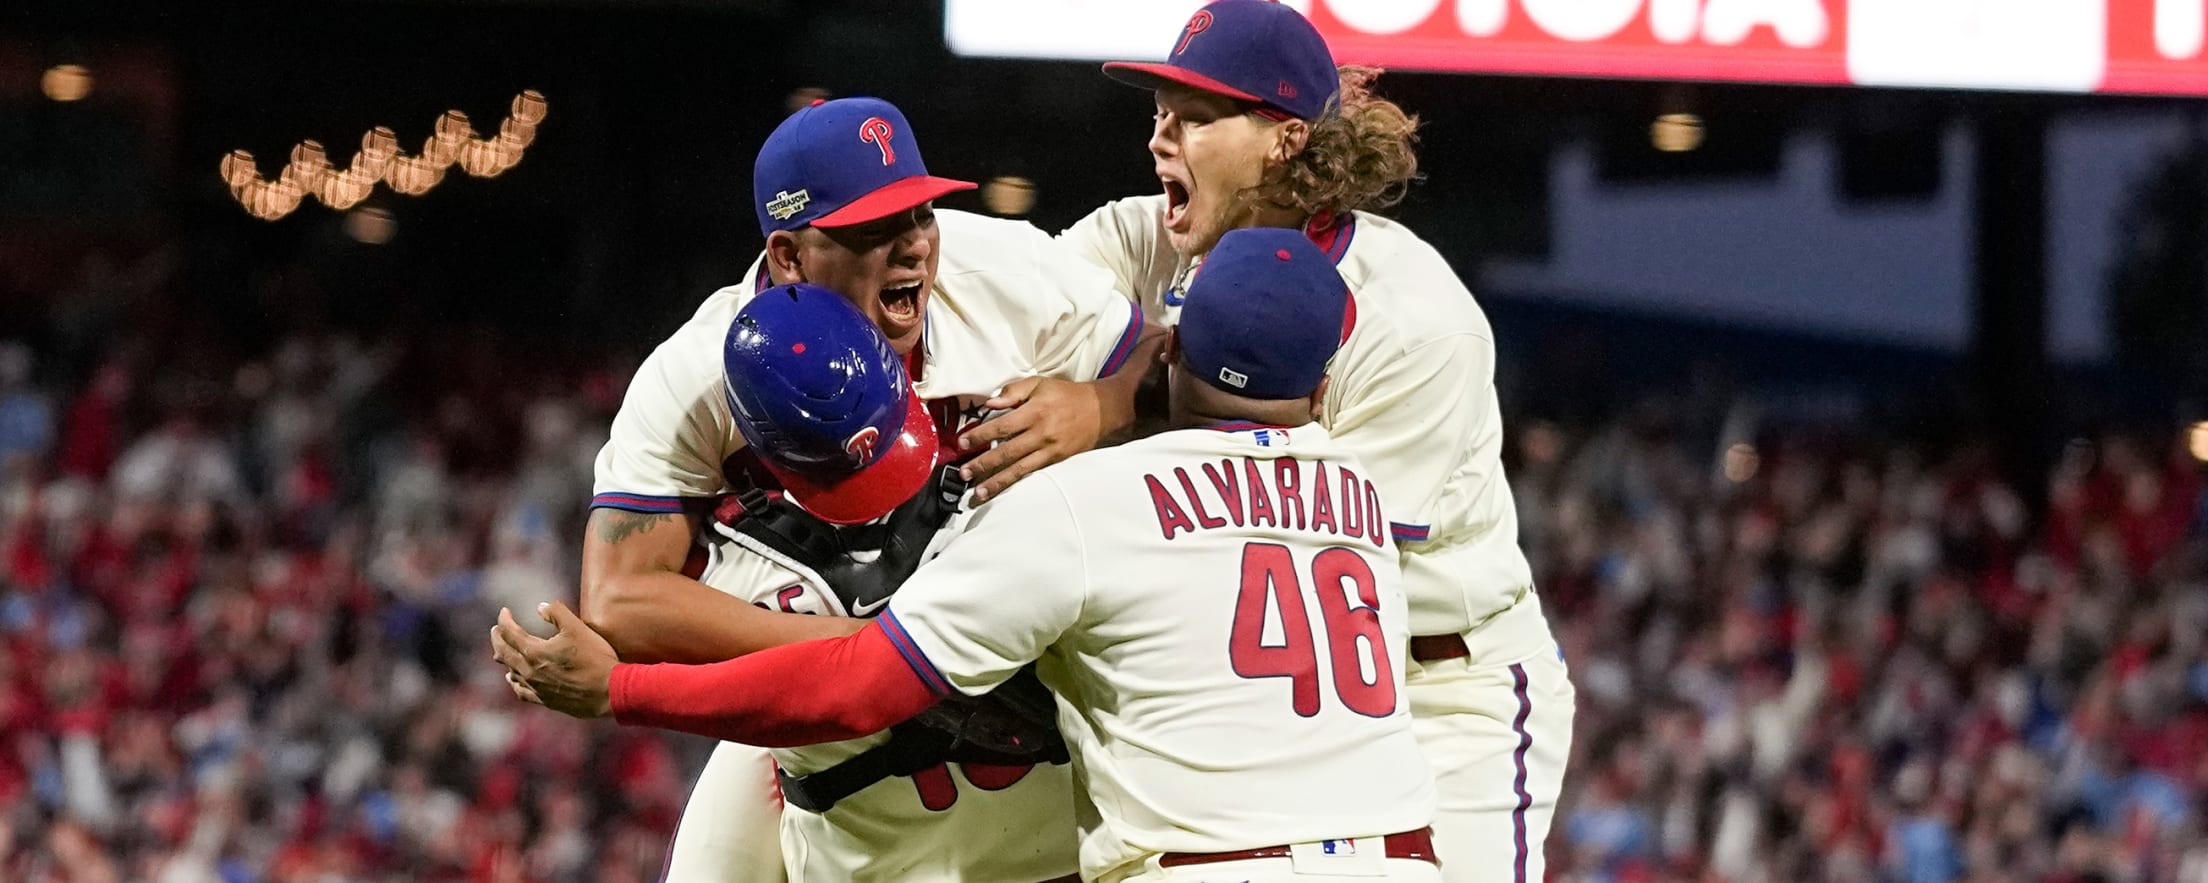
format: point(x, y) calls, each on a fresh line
point(876, 131)
point(1197, 24)
point(861, 445)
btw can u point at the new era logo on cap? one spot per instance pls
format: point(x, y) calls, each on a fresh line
point(840, 163)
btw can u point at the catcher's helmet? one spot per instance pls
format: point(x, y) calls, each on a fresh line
point(819, 393)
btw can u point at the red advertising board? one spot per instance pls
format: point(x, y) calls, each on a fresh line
point(2130, 46)
point(1671, 39)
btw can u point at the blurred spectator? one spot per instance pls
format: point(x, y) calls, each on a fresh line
point(26, 421)
point(90, 430)
point(177, 462)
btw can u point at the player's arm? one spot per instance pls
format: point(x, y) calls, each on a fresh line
point(655, 477)
point(776, 698)
point(1123, 237)
point(635, 594)
point(1095, 350)
point(964, 623)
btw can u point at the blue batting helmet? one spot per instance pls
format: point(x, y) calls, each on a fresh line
point(819, 393)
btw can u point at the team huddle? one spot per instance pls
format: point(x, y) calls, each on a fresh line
point(871, 519)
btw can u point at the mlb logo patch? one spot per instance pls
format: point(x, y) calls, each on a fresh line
point(1269, 437)
point(1339, 858)
point(1233, 378)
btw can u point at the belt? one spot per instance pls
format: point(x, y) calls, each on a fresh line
point(1417, 845)
point(1435, 648)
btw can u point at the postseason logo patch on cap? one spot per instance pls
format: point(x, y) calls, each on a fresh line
point(785, 204)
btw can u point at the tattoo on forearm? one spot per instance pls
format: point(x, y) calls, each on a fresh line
point(615, 525)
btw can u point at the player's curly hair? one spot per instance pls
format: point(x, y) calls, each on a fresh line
point(1359, 155)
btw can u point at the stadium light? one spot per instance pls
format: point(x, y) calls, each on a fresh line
point(1741, 462)
point(66, 82)
point(454, 141)
point(1009, 196)
point(1676, 132)
point(370, 226)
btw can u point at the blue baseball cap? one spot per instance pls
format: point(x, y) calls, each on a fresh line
point(823, 399)
point(839, 163)
point(1265, 314)
point(1250, 50)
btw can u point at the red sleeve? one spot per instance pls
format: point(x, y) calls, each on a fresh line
point(805, 693)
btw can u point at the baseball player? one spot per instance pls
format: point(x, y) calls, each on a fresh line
point(1256, 126)
point(988, 315)
point(821, 393)
point(1218, 609)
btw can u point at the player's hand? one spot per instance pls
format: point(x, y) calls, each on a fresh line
point(1048, 421)
point(570, 672)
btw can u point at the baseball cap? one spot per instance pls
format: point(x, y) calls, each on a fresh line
point(823, 399)
point(1251, 50)
point(839, 163)
point(1264, 314)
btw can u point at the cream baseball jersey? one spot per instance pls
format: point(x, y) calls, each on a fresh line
point(1412, 393)
point(949, 822)
point(1008, 302)
point(1221, 615)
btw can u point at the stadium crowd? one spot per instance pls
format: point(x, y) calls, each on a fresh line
point(1823, 655)
point(244, 641)
point(242, 611)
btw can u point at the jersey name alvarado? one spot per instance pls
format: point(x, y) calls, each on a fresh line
point(1285, 493)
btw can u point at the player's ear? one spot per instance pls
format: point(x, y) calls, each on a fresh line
point(783, 265)
point(1318, 396)
point(1289, 138)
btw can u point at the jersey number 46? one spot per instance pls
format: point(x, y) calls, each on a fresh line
point(1269, 579)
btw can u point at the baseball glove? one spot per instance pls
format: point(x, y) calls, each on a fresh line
point(1012, 725)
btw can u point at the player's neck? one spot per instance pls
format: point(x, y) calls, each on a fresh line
point(1245, 413)
point(1274, 216)
point(1293, 219)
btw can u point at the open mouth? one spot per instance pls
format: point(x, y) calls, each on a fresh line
point(1176, 203)
point(901, 302)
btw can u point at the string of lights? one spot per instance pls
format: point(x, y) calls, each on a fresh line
point(453, 141)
